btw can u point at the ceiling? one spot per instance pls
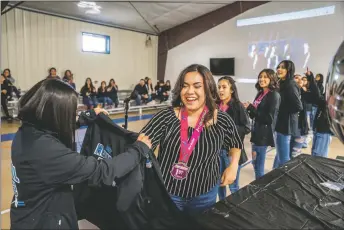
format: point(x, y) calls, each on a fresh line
point(151, 17)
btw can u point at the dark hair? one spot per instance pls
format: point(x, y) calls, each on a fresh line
point(290, 67)
point(9, 71)
point(321, 78)
point(231, 81)
point(101, 86)
point(210, 89)
point(111, 80)
point(51, 105)
point(92, 87)
point(52, 68)
point(273, 80)
point(65, 74)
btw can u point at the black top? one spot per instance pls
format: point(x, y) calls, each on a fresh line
point(85, 90)
point(204, 163)
point(141, 90)
point(5, 85)
point(264, 117)
point(291, 105)
point(102, 93)
point(43, 171)
point(238, 113)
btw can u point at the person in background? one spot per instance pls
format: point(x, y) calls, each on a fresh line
point(68, 77)
point(140, 93)
point(4, 89)
point(287, 124)
point(159, 90)
point(11, 86)
point(319, 79)
point(307, 106)
point(45, 164)
point(263, 111)
point(191, 169)
point(89, 94)
point(52, 73)
point(112, 90)
point(103, 95)
point(230, 103)
point(150, 90)
point(322, 132)
point(167, 90)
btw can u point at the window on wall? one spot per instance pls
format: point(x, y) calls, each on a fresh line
point(95, 43)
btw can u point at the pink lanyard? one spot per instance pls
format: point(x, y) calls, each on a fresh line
point(223, 107)
point(260, 98)
point(186, 146)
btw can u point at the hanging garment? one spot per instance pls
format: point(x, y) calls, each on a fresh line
point(139, 200)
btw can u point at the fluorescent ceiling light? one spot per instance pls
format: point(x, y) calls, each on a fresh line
point(83, 4)
point(287, 16)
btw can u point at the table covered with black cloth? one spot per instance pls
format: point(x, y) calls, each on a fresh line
point(306, 193)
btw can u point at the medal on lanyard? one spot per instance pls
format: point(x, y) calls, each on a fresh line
point(180, 170)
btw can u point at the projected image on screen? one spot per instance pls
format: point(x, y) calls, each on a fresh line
point(268, 54)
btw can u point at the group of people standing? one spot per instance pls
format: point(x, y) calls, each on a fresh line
point(200, 139)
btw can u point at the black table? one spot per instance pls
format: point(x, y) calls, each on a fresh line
point(290, 197)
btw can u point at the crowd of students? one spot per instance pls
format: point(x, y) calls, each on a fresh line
point(105, 96)
point(287, 109)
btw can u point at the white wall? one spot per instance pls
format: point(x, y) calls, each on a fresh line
point(324, 34)
point(32, 43)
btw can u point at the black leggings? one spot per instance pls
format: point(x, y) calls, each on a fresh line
point(4, 104)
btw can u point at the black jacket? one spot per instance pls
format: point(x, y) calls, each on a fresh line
point(265, 119)
point(311, 96)
point(139, 201)
point(44, 170)
point(321, 120)
point(84, 90)
point(242, 122)
point(291, 105)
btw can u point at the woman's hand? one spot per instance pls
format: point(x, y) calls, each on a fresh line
point(229, 175)
point(145, 139)
point(100, 110)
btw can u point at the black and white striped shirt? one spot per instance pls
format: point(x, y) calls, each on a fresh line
point(204, 164)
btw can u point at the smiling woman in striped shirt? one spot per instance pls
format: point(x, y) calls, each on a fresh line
point(190, 136)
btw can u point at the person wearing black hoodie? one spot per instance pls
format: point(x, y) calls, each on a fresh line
point(310, 94)
point(319, 78)
point(45, 164)
point(322, 130)
point(287, 124)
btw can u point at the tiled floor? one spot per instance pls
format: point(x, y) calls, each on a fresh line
point(246, 175)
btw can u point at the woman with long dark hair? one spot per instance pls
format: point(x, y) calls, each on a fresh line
point(263, 111)
point(190, 135)
point(230, 103)
point(103, 95)
point(44, 164)
point(89, 94)
point(112, 90)
point(287, 124)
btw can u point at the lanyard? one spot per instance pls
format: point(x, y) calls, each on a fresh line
point(223, 107)
point(260, 98)
point(186, 146)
